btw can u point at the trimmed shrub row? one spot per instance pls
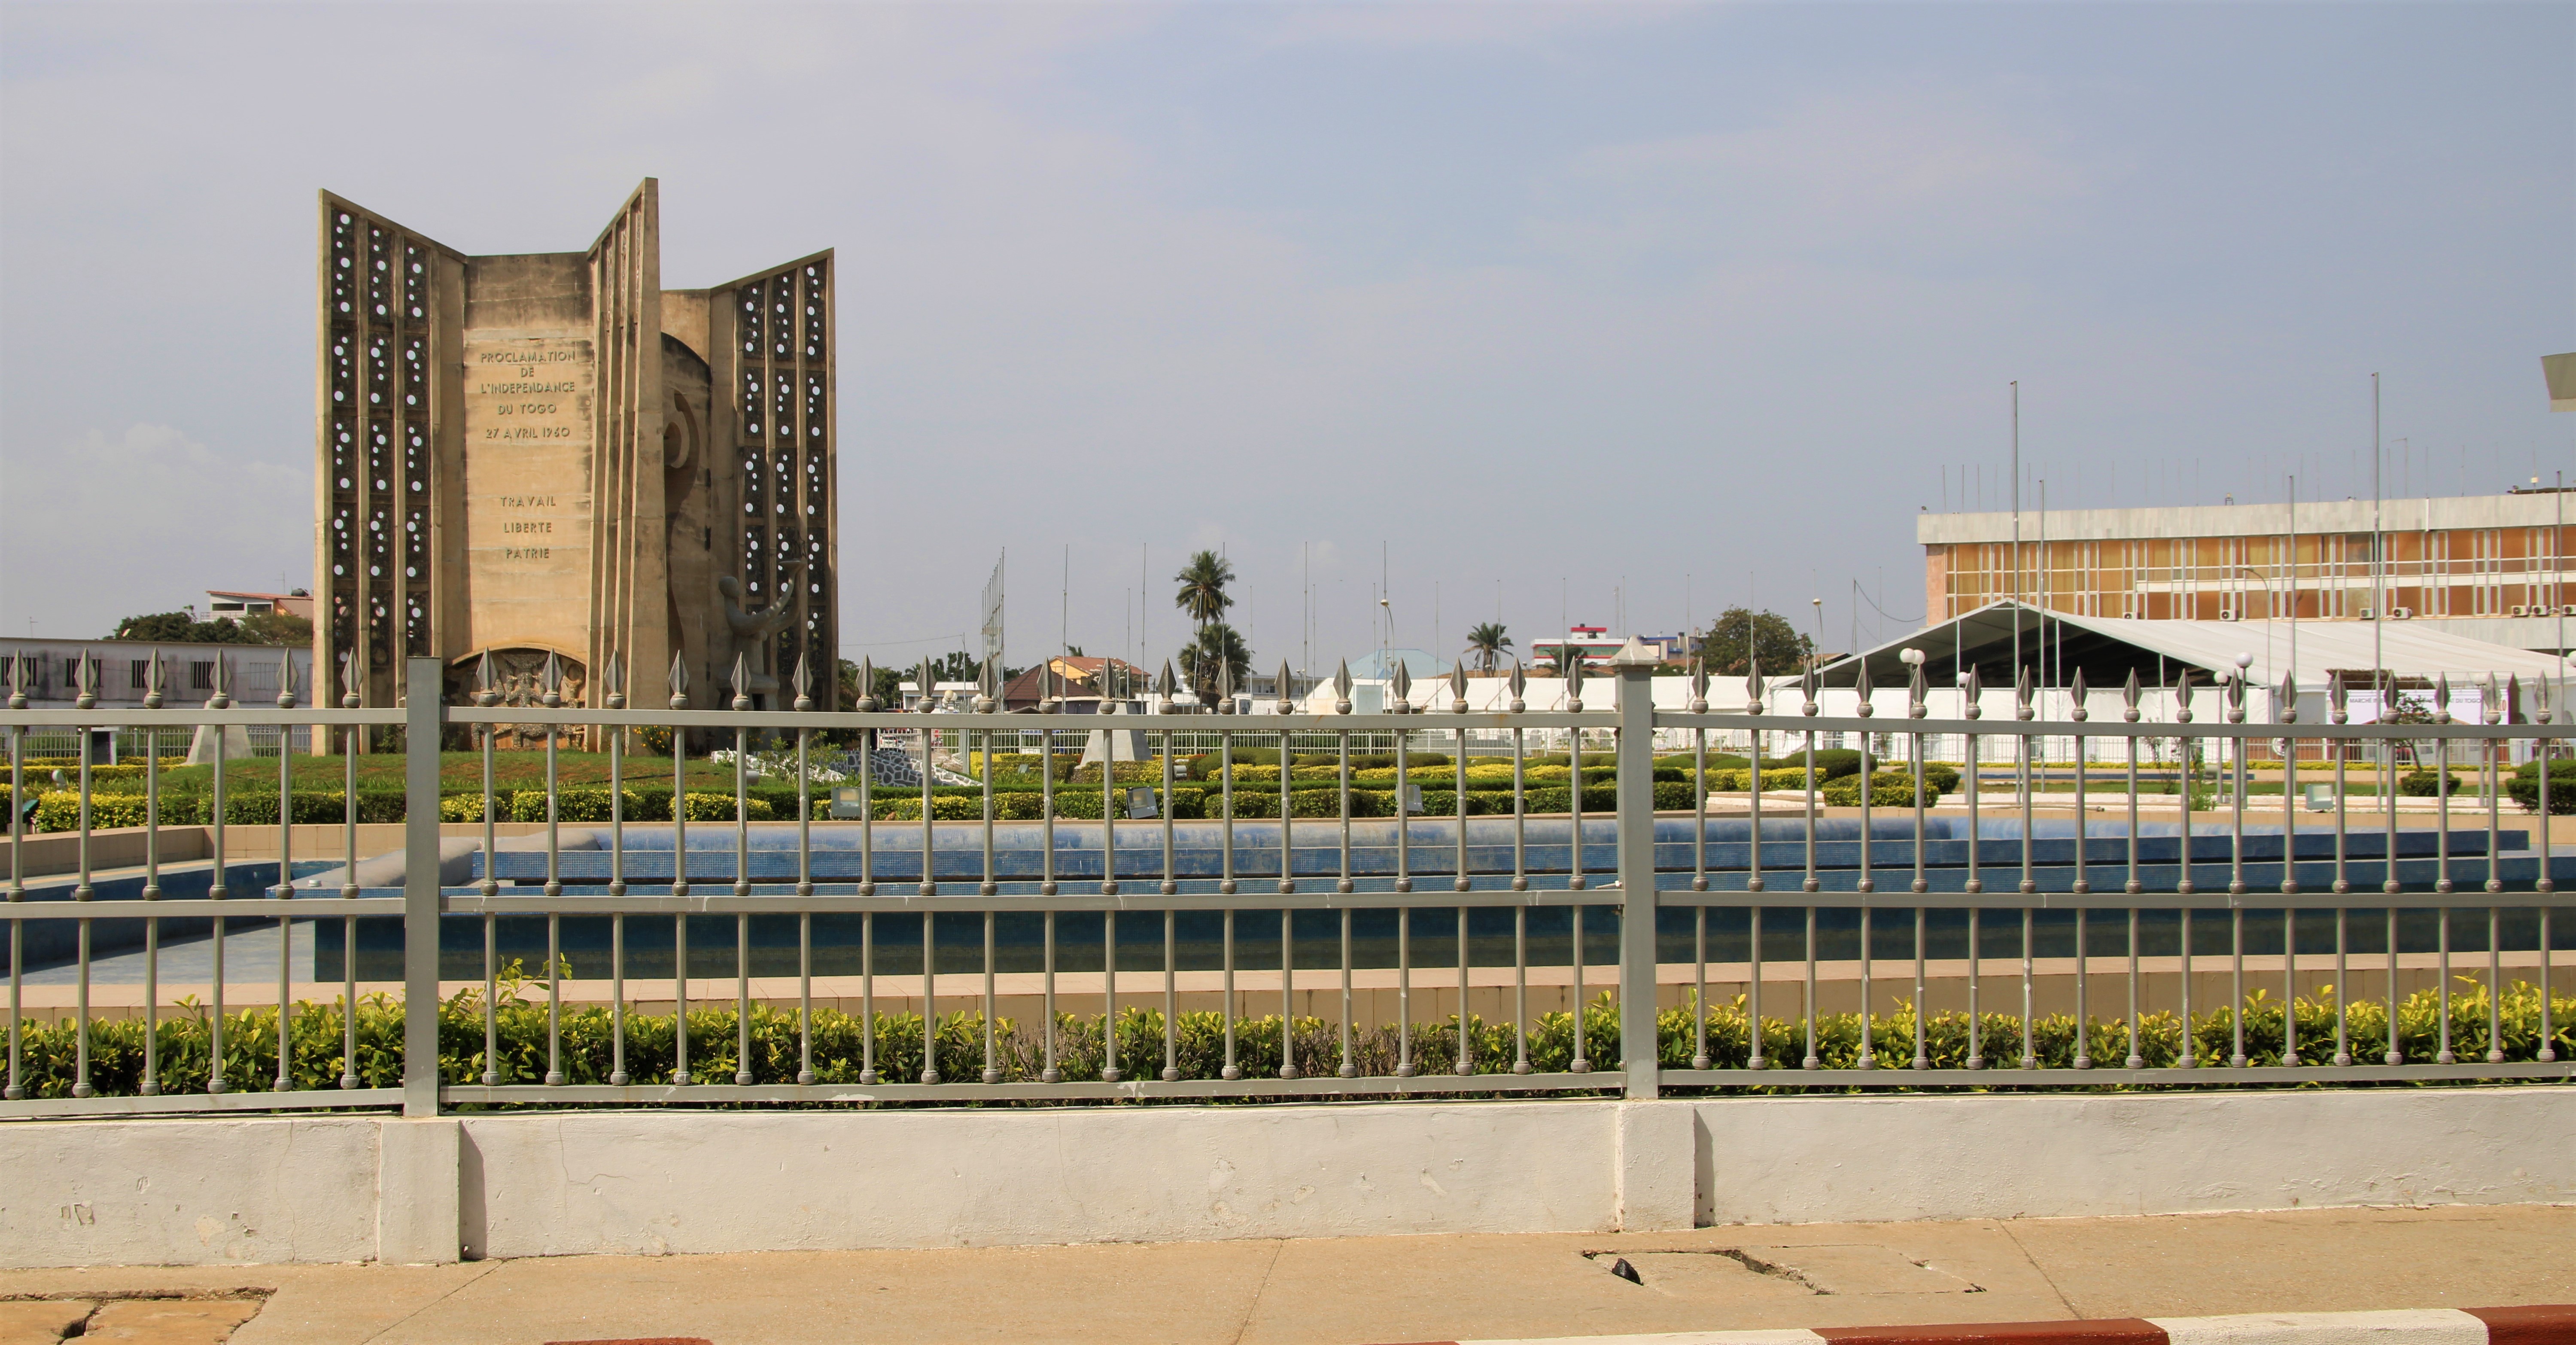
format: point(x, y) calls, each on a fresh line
point(841, 1043)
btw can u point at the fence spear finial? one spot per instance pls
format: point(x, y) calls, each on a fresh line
point(2338, 702)
point(2442, 698)
point(2495, 708)
point(2286, 700)
point(1341, 691)
point(2023, 693)
point(2078, 693)
point(349, 680)
point(85, 682)
point(1916, 689)
point(2129, 695)
point(867, 685)
point(804, 683)
point(1458, 688)
point(17, 679)
point(1166, 687)
point(1287, 702)
point(679, 683)
point(1519, 686)
point(2182, 695)
point(927, 680)
point(1699, 686)
point(1863, 689)
point(612, 680)
point(1972, 694)
point(1573, 677)
point(223, 684)
point(741, 681)
point(1402, 685)
point(286, 679)
point(152, 685)
point(553, 683)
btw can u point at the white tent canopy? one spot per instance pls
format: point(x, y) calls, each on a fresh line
point(2054, 645)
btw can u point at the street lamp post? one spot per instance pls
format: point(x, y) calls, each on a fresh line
point(2271, 613)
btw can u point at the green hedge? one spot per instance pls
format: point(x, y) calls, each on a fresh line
point(315, 1041)
point(59, 810)
point(2524, 786)
point(1887, 789)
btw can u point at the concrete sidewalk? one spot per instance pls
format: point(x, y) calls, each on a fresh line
point(1354, 1291)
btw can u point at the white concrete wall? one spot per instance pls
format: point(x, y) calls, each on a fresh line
point(188, 1191)
point(635, 1182)
point(1809, 1160)
point(214, 1190)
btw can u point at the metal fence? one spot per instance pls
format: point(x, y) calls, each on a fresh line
point(1514, 935)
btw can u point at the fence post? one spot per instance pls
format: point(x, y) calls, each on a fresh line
point(424, 683)
point(1635, 667)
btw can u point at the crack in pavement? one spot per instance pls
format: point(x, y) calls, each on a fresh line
point(1253, 1308)
point(2005, 1227)
point(475, 1278)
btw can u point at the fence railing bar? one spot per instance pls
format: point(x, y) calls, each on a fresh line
point(1349, 1068)
point(1404, 993)
point(151, 1083)
point(2445, 1055)
point(992, 1059)
point(1050, 1070)
point(930, 979)
point(2236, 980)
point(617, 999)
point(1287, 992)
point(16, 1088)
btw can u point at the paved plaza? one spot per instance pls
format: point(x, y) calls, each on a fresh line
point(1355, 1291)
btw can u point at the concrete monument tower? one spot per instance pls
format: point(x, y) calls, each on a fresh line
point(549, 453)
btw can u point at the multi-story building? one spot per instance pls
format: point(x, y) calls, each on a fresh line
point(48, 673)
point(224, 604)
point(2487, 567)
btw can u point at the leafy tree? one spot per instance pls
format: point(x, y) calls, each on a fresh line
point(1487, 641)
point(276, 628)
point(259, 628)
point(180, 628)
point(1203, 583)
point(1218, 646)
point(2405, 709)
point(1742, 638)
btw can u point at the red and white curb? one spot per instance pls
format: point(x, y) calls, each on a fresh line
point(2554, 1325)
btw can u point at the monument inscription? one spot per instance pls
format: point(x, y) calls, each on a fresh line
point(527, 469)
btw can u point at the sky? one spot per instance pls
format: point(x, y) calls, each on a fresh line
point(1604, 313)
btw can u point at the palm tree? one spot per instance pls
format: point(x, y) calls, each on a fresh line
point(1218, 646)
point(1203, 583)
point(1487, 641)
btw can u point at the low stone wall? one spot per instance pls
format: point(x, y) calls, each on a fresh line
point(215, 1190)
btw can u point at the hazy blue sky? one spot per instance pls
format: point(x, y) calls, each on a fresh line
point(1542, 297)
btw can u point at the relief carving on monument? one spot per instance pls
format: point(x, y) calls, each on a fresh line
point(755, 633)
point(519, 679)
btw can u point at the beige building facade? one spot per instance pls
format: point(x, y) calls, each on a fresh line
point(549, 454)
point(2487, 567)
